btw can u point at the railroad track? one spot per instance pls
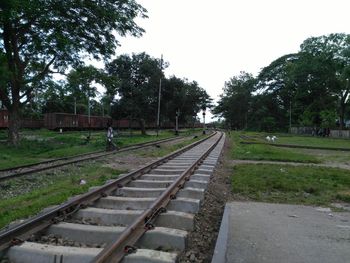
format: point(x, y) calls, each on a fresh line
point(18, 171)
point(143, 216)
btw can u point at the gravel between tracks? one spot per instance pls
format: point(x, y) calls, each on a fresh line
point(201, 241)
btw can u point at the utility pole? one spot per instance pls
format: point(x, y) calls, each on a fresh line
point(159, 93)
point(89, 120)
point(203, 121)
point(290, 116)
point(177, 122)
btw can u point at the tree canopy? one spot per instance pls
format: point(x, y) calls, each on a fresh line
point(307, 88)
point(40, 37)
point(138, 77)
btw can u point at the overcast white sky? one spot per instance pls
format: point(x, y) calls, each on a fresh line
point(210, 41)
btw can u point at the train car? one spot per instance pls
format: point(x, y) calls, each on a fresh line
point(93, 122)
point(24, 123)
point(32, 123)
point(54, 121)
point(125, 124)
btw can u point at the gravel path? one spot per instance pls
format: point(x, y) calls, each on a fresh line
point(201, 241)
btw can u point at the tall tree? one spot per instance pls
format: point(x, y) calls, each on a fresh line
point(180, 95)
point(234, 102)
point(82, 84)
point(333, 51)
point(40, 37)
point(138, 77)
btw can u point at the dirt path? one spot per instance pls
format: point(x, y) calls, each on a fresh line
point(330, 165)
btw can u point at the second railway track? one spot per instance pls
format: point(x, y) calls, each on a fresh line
point(18, 171)
point(143, 216)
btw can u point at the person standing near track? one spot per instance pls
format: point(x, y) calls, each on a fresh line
point(110, 145)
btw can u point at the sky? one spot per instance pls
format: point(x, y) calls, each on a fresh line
point(211, 41)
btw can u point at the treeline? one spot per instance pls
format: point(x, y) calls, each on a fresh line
point(309, 88)
point(131, 84)
point(40, 39)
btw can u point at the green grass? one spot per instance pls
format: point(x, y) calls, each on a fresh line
point(292, 139)
point(266, 152)
point(314, 141)
point(26, 196)
point(39, 145)
point(289, 184)
point(327, 156)
point(50, 190)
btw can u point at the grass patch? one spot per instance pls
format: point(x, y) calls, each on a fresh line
point(289, 184)
point(293, 139)
point(326, 156)
point(46, 190)
point(41, 145)
point(314, 141)
point(266, 152)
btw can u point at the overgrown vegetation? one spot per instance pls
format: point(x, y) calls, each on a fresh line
point(38, 145)
point(289, 184)
point(45, 190)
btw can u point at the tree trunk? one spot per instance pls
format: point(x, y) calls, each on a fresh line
point(142, 126)
point(14, 125)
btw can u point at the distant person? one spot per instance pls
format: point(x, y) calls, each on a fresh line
point(110, 145)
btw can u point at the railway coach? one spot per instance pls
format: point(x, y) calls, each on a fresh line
point(54, 121)
point(24, 123)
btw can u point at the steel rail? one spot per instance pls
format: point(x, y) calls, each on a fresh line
point(115, 251)
point(47, 161)
point(37, 223)
point(40, 169)
point(74, 156)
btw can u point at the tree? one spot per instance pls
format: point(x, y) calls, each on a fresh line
point(180, 95)
point(333, 51)
point(278, 89)
point(234, 102)
point(40, 37)
point(138, 77)
point(82, 84)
